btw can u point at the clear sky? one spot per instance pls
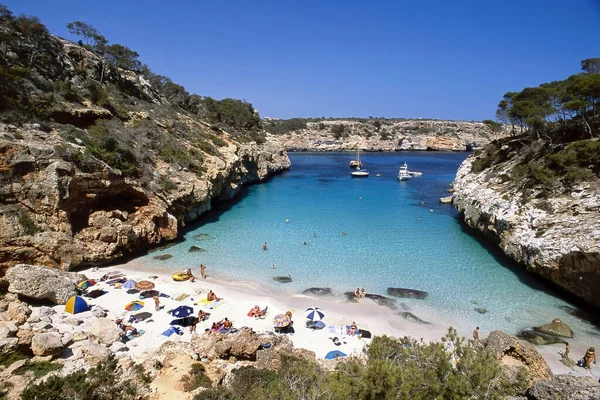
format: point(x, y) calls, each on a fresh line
point(310, 58)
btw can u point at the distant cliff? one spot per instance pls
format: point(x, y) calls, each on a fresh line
point(98, 161)
point(390, 135)
point(549, 221)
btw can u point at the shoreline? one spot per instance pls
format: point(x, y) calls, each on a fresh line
point(240, 296)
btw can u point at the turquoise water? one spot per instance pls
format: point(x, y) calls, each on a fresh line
point(385, 245)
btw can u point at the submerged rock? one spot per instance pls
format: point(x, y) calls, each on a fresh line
point(351, 297)
point(480, 310)
point(201, 236)
point(163, 257)
point(538, 337)
point(556, 328)
point(318, 291)
point(282, 279)
point(196, 249)
point(407, 293)
point(413, 318)
point(382, 300)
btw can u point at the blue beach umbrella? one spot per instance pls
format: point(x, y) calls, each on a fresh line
point(314, 314)
point(182, 311)
point(332, 355)
point(129, 284)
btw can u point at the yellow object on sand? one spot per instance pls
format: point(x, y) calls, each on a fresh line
point(180, 276)
point(204, 302)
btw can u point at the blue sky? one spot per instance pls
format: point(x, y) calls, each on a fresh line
point(413, 59)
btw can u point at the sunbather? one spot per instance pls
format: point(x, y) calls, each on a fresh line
point(353, 329)
point(210, 296)
point(203, 316)
point(215, 327)
point(256, 312)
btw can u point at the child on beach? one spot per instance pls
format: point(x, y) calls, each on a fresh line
point(156, 303)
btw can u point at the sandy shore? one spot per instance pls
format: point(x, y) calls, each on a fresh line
point(240, 297)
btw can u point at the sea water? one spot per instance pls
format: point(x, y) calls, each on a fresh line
point(395, 234)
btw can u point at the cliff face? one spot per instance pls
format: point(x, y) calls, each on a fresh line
point(556, 236)
point(392, 135)
point(97, 163)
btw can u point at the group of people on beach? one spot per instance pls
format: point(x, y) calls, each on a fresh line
point(360, 293)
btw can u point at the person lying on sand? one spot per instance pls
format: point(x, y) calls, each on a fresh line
point(203, 316)
point(257, 312)
point(127, 329)
point(215, 327)
point(210, 296)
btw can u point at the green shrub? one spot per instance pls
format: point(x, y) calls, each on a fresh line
point(218, 141)
point(285, 125)
point(197, 379)
point(39, 368)
point(7, 359)
point(338, 131)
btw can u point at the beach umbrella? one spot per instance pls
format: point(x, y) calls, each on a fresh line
point(182, 311)
point(86, 284)
point(332, 355)
point(149, 293)
point(134, 305)
point(314, 314)
point(76, 304)
point(144, 285)
point(129, 284)
point(281, 320)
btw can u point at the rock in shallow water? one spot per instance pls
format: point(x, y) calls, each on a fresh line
point(201, 236)
point(196, 249)
point(556, 328)
point(163, 257)
point(318, 291)
point(413, 318)
point(282, 279)
point(407, 293)
point(538, 338)
point(480, 310)
point(382, 300)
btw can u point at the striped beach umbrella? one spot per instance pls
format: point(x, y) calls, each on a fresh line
point(134, 305)
point(86, 284)
point(314, 314)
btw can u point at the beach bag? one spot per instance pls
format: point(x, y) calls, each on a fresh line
point(581, 363)
point(364, 334)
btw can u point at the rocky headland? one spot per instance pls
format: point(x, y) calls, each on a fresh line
point(390, 135)
point(551, 228)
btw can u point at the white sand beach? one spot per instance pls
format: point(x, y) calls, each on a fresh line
point(239, 297)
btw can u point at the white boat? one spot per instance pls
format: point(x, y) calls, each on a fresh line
point(360, 172)
point(415, 173)
point(403, 174)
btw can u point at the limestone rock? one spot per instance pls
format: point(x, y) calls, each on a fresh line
point(514, 354)
point(18, 312)
point(105, 330)
point(99, 312)
point(8, 329)
point(407, 293)
point(318, 291)
point(93, 353)
point(565, 387)
point(539, 338)
point(117, 347)
point(46, 344)
point(556, 328)
point(8, 345)
point(382, 300)
point(242, 346)
point(43, 283)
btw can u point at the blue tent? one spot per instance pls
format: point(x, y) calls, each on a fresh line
point(76, 304)
point(332, 355)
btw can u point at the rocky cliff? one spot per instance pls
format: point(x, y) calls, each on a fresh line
point(553, 232)
point(390, 135)
point(97, 163)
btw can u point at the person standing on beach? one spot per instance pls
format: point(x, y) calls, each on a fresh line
point(156, 303)
point(203, 271)
point(476, 335)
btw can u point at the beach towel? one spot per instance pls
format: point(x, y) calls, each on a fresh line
point(224, 330)
point(203, 302)
point(332, 329)
point(182, 296)
point(164, 295)
point(215, 304)
point(171, 331)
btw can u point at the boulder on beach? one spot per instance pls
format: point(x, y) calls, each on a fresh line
point(282, 279)
point(47, 344)
point(538, 338)
point(556, 328)
point(407, 293)
point(41, 283)
point(196, 249)
point(318, 291)
point(106, 331)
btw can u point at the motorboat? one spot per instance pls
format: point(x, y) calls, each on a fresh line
point(359, 172)
point(415, 173)
point(403, 174)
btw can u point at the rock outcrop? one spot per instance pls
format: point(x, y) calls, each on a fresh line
point(46, 344)
point(389, 135)
point(557, 237)
point(565, 387)
point(556, 328)
point(106, 331)
point(514, 355)
point(41, 283)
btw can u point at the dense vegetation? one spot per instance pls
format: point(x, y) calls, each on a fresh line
point(555, 133)
point(394, 369)
point(46, 80)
